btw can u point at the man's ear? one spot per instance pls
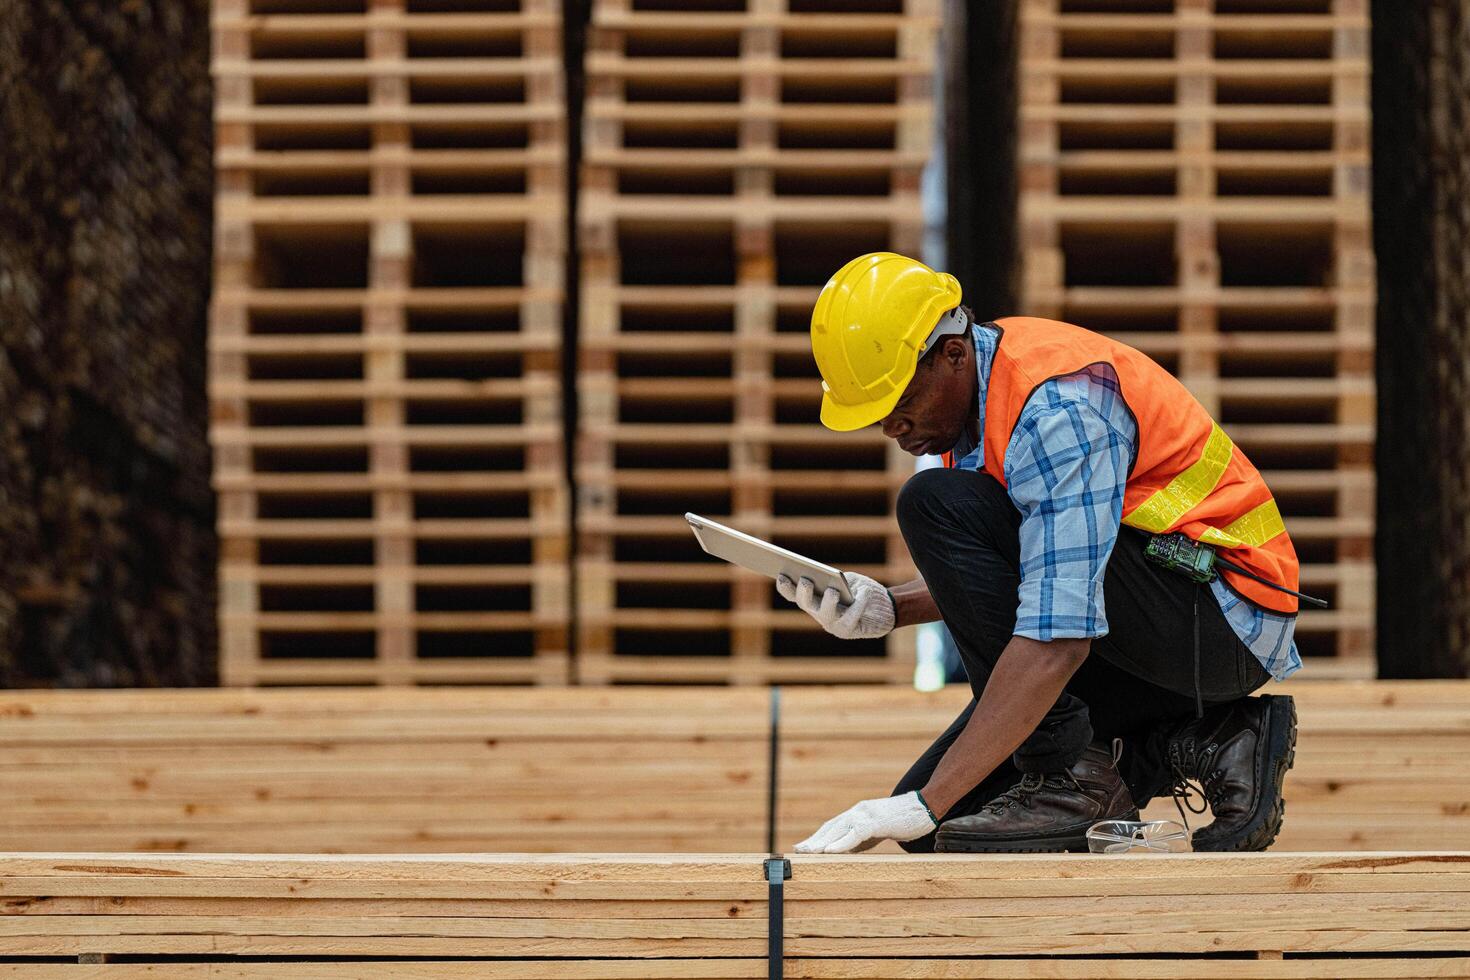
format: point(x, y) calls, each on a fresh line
point(956, 352)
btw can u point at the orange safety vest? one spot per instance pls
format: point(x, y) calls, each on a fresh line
point(1187, 475)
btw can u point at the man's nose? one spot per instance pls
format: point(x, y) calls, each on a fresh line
point(895, 428)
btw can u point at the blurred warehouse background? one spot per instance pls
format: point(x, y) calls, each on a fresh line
point(485, 294)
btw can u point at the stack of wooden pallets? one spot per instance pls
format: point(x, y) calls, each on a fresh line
point(1194, 181)
point(737, 153)
point(385, 341)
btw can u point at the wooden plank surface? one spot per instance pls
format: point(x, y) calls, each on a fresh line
point(994, 968)
point(910, 912)
point(1379, 764)
point(388, 771)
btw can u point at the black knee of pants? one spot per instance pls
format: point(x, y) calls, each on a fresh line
point(963, 531)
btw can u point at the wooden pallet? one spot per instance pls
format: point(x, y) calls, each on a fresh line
point(1194, 181)
point(385, 342)
point(604, 916)
point(734, 159)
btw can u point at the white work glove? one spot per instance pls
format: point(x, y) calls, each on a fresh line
point(894, 818)
point(870, 615)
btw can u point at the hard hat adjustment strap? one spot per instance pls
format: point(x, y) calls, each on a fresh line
point(952, 322)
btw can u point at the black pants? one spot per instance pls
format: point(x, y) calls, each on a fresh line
point(964, 535)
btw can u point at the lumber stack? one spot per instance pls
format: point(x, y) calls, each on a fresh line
point(605, 916)
point(385, 341)
point(395, 771)
point(631, 769)
point(1378, 764)
point(1194, 182)
point(735, 156)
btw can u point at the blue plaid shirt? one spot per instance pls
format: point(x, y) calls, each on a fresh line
point(1066, 468)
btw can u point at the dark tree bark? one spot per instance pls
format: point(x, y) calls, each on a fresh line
point(106, 520)
point(1421, 165)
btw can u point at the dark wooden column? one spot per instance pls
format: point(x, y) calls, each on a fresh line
point(1421, 189)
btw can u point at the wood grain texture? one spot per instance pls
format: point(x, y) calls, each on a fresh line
point(338, 770)
point(705, 915)
point(1379, 764)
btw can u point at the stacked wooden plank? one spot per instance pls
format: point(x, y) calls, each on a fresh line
point(666, 769)
point(1194, 181)
point(385, 341)
point(736, 154)
point(1377, 915)
point(377, 771)
point(1378, 764)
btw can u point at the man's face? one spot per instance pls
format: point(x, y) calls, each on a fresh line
point(935, 407)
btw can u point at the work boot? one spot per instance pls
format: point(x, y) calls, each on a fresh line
point(1045, 811)
point(1238, 753)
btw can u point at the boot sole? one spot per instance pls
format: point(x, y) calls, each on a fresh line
point(961, 844)
point(1260, 832)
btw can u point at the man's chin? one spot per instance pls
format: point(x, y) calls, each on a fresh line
point(937, 447)
point(931, 447)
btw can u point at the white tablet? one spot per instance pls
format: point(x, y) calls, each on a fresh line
point(764, 557)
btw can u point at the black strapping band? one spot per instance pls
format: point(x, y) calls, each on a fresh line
point(778, 871)
point(773, 773)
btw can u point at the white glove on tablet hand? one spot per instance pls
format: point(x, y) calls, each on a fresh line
point(870, 615)
point(895, 818)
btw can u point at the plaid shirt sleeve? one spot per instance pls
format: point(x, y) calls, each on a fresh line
point(1066, 468)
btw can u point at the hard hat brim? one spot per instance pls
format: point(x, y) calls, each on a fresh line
point(848, 418)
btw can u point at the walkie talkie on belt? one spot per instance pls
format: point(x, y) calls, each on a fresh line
point(1181, 553)
point(1178, 552)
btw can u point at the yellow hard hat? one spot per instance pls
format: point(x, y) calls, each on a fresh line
point(869, 328)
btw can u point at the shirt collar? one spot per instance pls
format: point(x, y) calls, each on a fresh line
point(987, 338)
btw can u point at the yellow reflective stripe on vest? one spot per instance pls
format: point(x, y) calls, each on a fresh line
point(1217, 537)
point(1187, 490)
point(1259, 525)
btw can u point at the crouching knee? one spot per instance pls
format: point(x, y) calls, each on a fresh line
point(922, 495)
point(931, 496)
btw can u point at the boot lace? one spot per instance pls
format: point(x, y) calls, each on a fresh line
point(1188, 760)
point(1024, 792)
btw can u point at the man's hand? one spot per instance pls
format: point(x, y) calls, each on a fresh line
point(894, 818)
point(870, 615)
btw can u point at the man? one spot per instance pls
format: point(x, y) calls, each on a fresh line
point(1101, 678)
